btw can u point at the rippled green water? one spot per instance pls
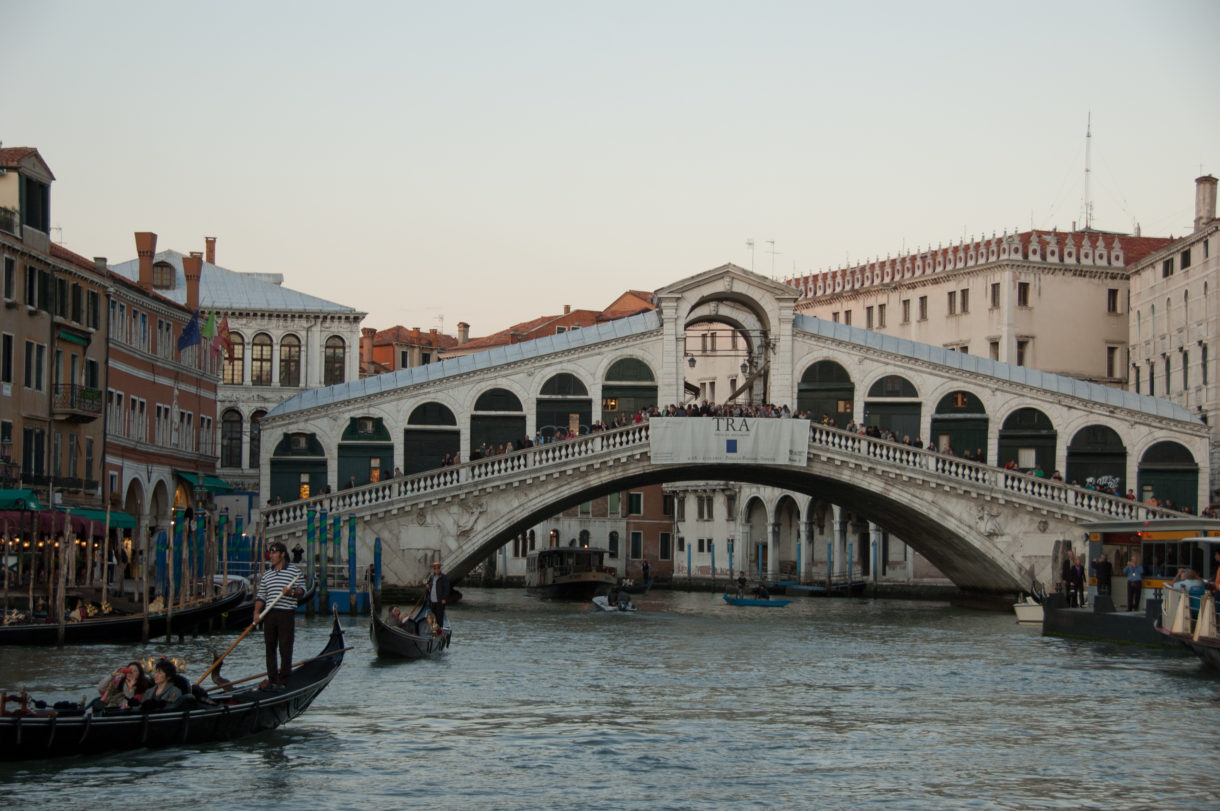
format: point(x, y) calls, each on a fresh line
point(688, 703)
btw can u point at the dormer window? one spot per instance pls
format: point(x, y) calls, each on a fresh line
point(163, 276)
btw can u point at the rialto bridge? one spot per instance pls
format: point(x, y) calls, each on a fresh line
point(985, 527)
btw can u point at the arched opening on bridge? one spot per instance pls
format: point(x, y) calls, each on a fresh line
point(497, 422)
point(893, 405)
point(1029, 439)
point(629, 387)
point(297, 467)
point(960, 423)
point(826, 390)
point(365, 453)
point(431, 438)
point(563, 406)
point(1169, 473)
point(1096, 456)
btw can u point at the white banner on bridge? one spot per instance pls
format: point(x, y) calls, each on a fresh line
point(748, 440)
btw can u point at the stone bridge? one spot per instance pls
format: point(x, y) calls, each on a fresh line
point(986, 528)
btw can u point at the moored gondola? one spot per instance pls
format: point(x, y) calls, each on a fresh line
point(414, 639)
point(111, 628)
point(29, 732)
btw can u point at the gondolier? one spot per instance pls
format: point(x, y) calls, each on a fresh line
point(437, 591)
point(279, 624)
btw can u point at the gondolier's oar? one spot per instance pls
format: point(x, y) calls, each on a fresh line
point(257, 620)
point(225, 684)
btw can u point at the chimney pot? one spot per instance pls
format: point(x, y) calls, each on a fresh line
point(210, 249)
point(567, 308)
point(192, 268)
point(146, 248)
point(463, 332)
point(1205, 201)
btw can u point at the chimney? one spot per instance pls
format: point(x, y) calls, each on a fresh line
point(192, 268)
point(146, 247)
point(432, 337)
point(209, 255)
point(366, 344)
point(567, 308)
point(1205, 201)
point(99, 264)
point(415, 336)
point(463, 332)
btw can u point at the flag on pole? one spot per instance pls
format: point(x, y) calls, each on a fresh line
point(190, 333)
point(209, 329)
point(222, 339)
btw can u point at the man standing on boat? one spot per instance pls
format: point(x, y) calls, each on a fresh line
point(281, 581)
point(437, 591)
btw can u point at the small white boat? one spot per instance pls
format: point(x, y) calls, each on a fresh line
point(622, 604)
point(1029, 611)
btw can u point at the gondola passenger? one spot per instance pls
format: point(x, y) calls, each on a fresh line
point(164, 691)
point(122, 688)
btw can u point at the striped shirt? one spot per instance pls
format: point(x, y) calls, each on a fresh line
point(272, 585)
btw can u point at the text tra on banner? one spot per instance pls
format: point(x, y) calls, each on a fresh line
point(743, 440)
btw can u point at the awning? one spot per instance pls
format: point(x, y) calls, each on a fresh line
point(213, 484)
point(19, 500)
point(117, 519)
point(72, 337)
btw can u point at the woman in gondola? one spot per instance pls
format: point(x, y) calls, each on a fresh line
point(121, 687)
point(164, 692)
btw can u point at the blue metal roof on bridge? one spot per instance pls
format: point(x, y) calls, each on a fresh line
point(647, 322)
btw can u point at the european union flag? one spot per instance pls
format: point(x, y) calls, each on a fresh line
point(730, 446)
point(190, 333)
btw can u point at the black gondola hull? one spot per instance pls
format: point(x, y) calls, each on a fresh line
point(239, 714)
point(398, 643)
point(126, 628)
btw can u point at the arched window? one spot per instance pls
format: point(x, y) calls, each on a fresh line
point(230, 438)
point(333, 361)
point(256, 437)
point(290, 361)
point(260, 360)
point(235, 360)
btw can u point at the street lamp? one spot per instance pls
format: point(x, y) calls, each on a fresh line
point(690, 361)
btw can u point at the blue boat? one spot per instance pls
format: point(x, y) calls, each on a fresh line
point(754, 601)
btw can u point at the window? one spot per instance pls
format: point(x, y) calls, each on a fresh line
point(923, 308)
point(613, 509)
point(993, 350)
point(681, 544)
point(635, 503)
point(35, 365)
point(965, 300)
point(1185, 259)
point(1111, 361)
point(1022, 294)
point(995, 295)
point(93, 309)
point(1022, 349)
point(1167, 268)
point(233, 363)
point(1136, 369)
point(667, 505)
point(290, 361)
point(1185, 370)
point(906, 311)
point(163, 276)
point(585, 509)
point(834, 317)
point(1112, 300)
point(1151, 379)
point(952, 302)
point(88, 459)
point(664, 552)
point(881, 316)
point(1168, 380)
point(78, 303)
point(6, 358)
point(612, 545)
point(637, 545)
point(333, 361)
point(1203, 363)
point(230, 438)
point(868, 317)
point(61, 298)
point(31, 286)
point(33, 451)
point(10, 278)
point(260, 360)
point(847, 317)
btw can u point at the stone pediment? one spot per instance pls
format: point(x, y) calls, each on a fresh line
point(726, 279)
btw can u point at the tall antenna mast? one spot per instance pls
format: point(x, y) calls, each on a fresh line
point(1088, 155)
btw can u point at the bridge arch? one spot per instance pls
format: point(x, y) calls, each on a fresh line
point(1096, 454)
point(497, 419)
point(1168, 470)
point(560, 396)
point(826, 387)
point(1028, 438)
point(628, 385)
point(431, 436)
point(893, 404)
point(960, 422)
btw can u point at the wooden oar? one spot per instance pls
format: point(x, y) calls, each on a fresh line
point(256, 621)
point(225, 684)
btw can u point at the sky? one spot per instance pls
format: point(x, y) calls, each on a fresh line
point(489, 162)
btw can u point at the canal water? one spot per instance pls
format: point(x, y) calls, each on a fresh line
point(686, 704)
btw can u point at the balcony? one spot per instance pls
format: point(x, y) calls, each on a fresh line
point(74, 403)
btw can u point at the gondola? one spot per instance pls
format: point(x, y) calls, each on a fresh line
point(414, 640)
point(755, 601)
point(111, 628)
point(635, 588)
point(28, 732)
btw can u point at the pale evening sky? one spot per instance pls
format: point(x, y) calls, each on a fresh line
point(489, 162)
